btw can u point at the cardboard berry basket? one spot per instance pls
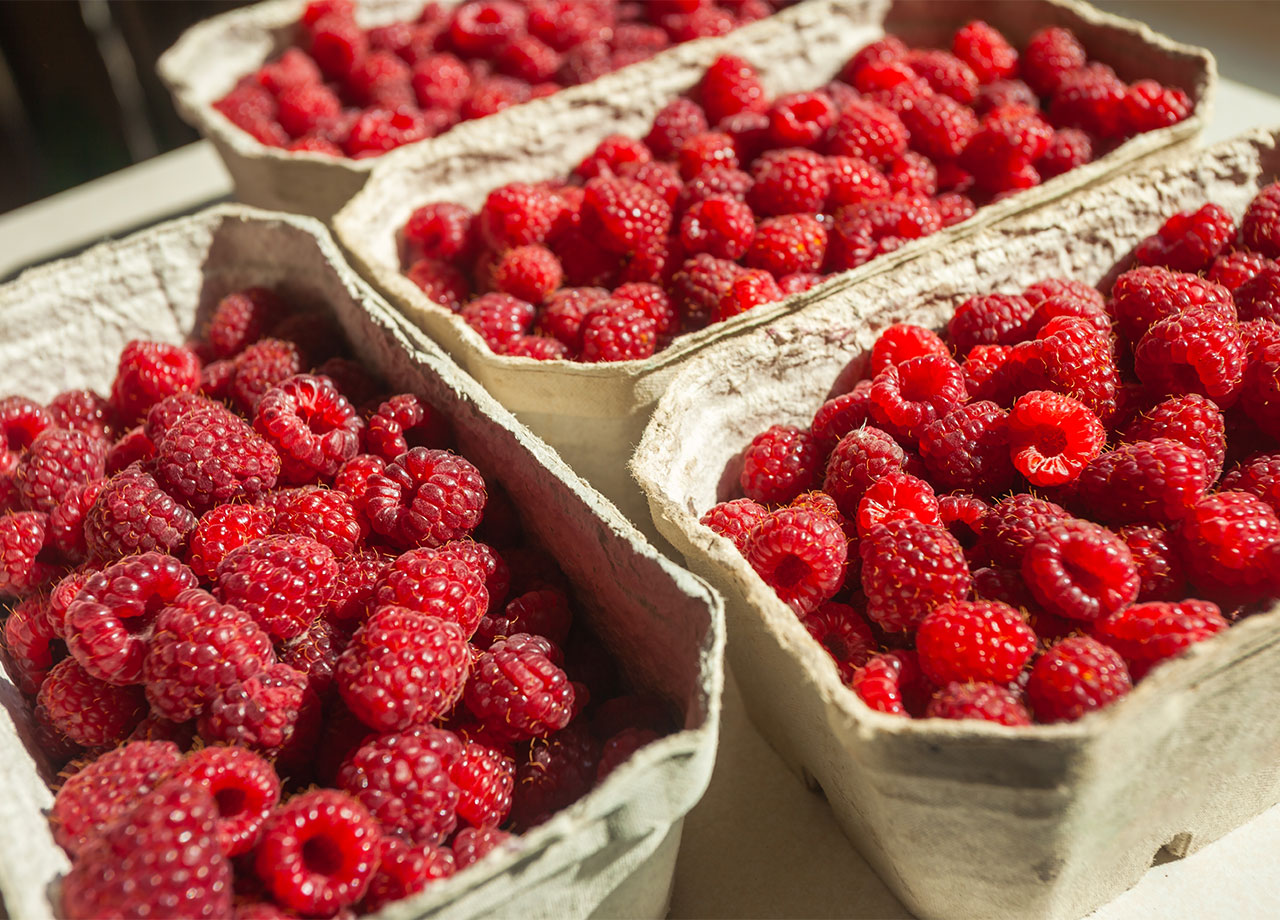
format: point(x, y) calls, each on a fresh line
point(970, 819)
point(613, 852)
point(594, 414)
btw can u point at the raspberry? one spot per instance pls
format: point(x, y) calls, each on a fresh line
point(1193, 352)
point(781, 463)
point(1192, 420)
point(852, 181)
point(617, 331)
point(517, 215)
point(701, 283)
point(198, 648)
point(441, 230)
point(1233, 269)
point(909, 396)
point(441, 282)
point(1069, 356)
point(485, 778)
point(800, 554)
point(108, 787)
point(913, 175)
point(709, 150)
point(108, 625)
point(654, 302)
point(89, 711)
point(858, 460)
point(435, 583)
point(674, 124)
point(750, 289)
point(1148, 106)
point(1147, 634)
point(517, 690)
point(985, 701)
point(1051, 55)
point(840, 415)
point(1052, 437)
point(161, 858)
point(896, 497)
point(881, 51)
point(559, 771)
point(1074, 677)
point(964, 516)
point(31, 643)
point(60, 598)
point(403, 669)
point(1159, 566)
point(892, 682)
point(734, 519)
point(530, 273)
point(317, 852)
point(844, 634)
point(221, 530)
point(21, 422)
point(869, 131)
point(23, 539)
point(244, 787)
point(1041, 291)
point(376, 131)
point(1070, 305)
point(168, 411)
point(618, 750)
point(132, 514)
point(968, 449)
point(1068, 149)
point(404, 870)
point(1142, 297)
point(544, 612)
point(562, 317)
point(441, 81)
point(623, 215)
point(260, 367)
point(425, 497)
point(1000, 155)
point(729, 183)
point(56, 462)
point(81, 410)
point(1260, 226)
point(908, 568)
point(210, 457)
point(939, 126)
point(1012, 525)
point(147, 373)
point(499, 318)
point(801, 119)
point(718, 225)
point(1259, 297)
point(1260, 390)
point(729, 86)
point(662, 178)
point(325, 515)
point(989, 319)
point(986, 51)
point(282, 581)
point(788, 244)
point(252, 108)
point(314, 654)
point(311, 425)
point(981, 369)
point(538, 348)
point(1259, 474)
point(974, 641)
point(1080, 570)
point(1222, 539)
point(1189, 241)
point(1091, 98)
point(274, 712)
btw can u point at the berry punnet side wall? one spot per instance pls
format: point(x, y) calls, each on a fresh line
point(614, 850)
point(962, 818)
point(594, 414)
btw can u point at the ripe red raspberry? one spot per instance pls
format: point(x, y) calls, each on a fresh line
point(800, 554)
point(881, 51)
point(1041, 291)
point(708, 150)
point(861, 232)
point(21, 422)
point(982, 377)
point(908, 568)
point(530, 273)
point(701, 283)
point(1058, 305)
point(1259, 297)
point(404, 870)
point(403, 668)
point(404, 781)
point(1189, 241)
point(989, 319)
point(986, 51)
point(1142, 297)
point(1222, 539)
point(209, 457)
point(974, 641)
point(985, 701)
point(517, 215)
point(23, 539)
point(260, 367)
point(1000, 155)
point(1070, 356)
point(480, 29)
point(168, 411)
point(1069, 148)
point(325, 822)
point(779, 464)
point(617, 331)
point(147, 373)
point(1233, 269)
point(844, 634)
point(485, 777)
point(311, 425)
point(544, 612)
point(436, 583)
point(662, 178)
point(858, 460)
point(1012, 525)
point(788, 244)
point(1052, 437)
point(872, 132)
point(654, 302)
point(1147, 634)
point(749, 289)
point(734, 519)
point(61, 596)
point(674, 124)
point(283, 582)
point(909, 396)
point(274, 712)
point(939, 126)
point(1259, 474)
point(719, 225)
point(729, 183)
point(106, 788)
point(221, 530)
point(499, 318)
point(1074, 677)
point(538, 347)
point(1260, 226)
point(1080, 570)
point(1093, 99)
point(801, 119)
point(947, 74)
point(1260, 389)
point(81, 410)
point(1198, 351)
point(159, 859)
point(893, 683)
point(426, 497)
point(1192, 420)
point(558, 771)
point(1051, 55)
point(108, 625)
point(441, 230)
point(244, 786)
point(518, 691)
point(441, 282)
point(895, 497)
point(241, 318)
point(912, 174)
point(315, 653)
point(58, 460)
point(325, 515)
point(89, 711)
point(562, 317)
point(964, 515)
point(31, 643)
point(1148, 106)
point(1160, 567)
point(840, 415)
point(133, 447)
point(729, 86)
point(968, 449)
point(198, 648)
point(133, 514)
point(375, 131)
point(852, 180)
point(623, 215)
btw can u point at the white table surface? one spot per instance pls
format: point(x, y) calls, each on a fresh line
point(759, 844)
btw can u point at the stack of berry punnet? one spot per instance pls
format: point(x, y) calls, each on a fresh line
point(345, 91)
point(733, 200)
point(254, 617)
point(1017, 520)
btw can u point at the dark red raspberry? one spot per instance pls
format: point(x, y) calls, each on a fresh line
point(538, 347)
point(199, 648)
point(168, 411)
point(441, 282)
point(968, 449)
point(974, 641)
point(892, 682)
point(260, 367)
point(1198, 351)
point(441, 230)
point(498, 318)
point(1080, 570)
point(30, 641)
point(858, 460)
point(160, 858)
point(908, 568)
point(274, 712)
point(845, 635)
point(58, 460)
point(530, 273)
point(1222, 539)
point(209, 457)
point(1148, 106)
point(989, 319)
point(23, 539)
point(517, 215)
point(1052, 437)
point(1259, 474)
point(325, 515)
point(909, 396)
point(147, 373)
point(1160, 567)
point(939, 126)
point(986, 51)
point(518, 691)
point(618, 749)
point(89, 711)
point(1260, 390)
point(734, 519)
point(623, 215)
point(317, 852)
point(1076, 676)
point(1142, 297)
point(1147, 634)
point(1260, 227)
point(562, 317)
point(426, 497)
point(1259, 297)
point(81, 410)
point(788, 244)
point(314, 654)
point(283, 582)
point(895, 497)
point(133, 514)
point(60, 598)
point(1012, 525)
point(1189, 241)
point(354, 475)
point(985, 701)
point(241, 318)
point(779, 464)
point(1051, 55)
point(729, 86)
point(749, 289)
point(708, 150)
point(701, 283)
point(403, 779)
point(558, 771)
point(485, 777)
point(403, 669)
point(436, 583)
point(1070, 356)
point(872, 132)
point(310, 425)
point(800, 554)
point(544, 612)
point(404, 870)
point(718, 225)
point(618, 331)
point(244, 786)
point(221, 530)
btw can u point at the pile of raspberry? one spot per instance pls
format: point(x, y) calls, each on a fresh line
point(1017, 520)
point(267, 619)
point(734, 200)
point(344, 91)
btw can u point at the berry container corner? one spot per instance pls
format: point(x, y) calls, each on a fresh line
point(593, 414)
point(611, 853)
point(966, 819)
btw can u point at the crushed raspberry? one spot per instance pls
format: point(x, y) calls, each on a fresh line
point(1080, 570)
point(1076, 676)
point(1052, 437)
point(985, 701)
point(799, 553)
point(517, 690)
point(734, 519)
